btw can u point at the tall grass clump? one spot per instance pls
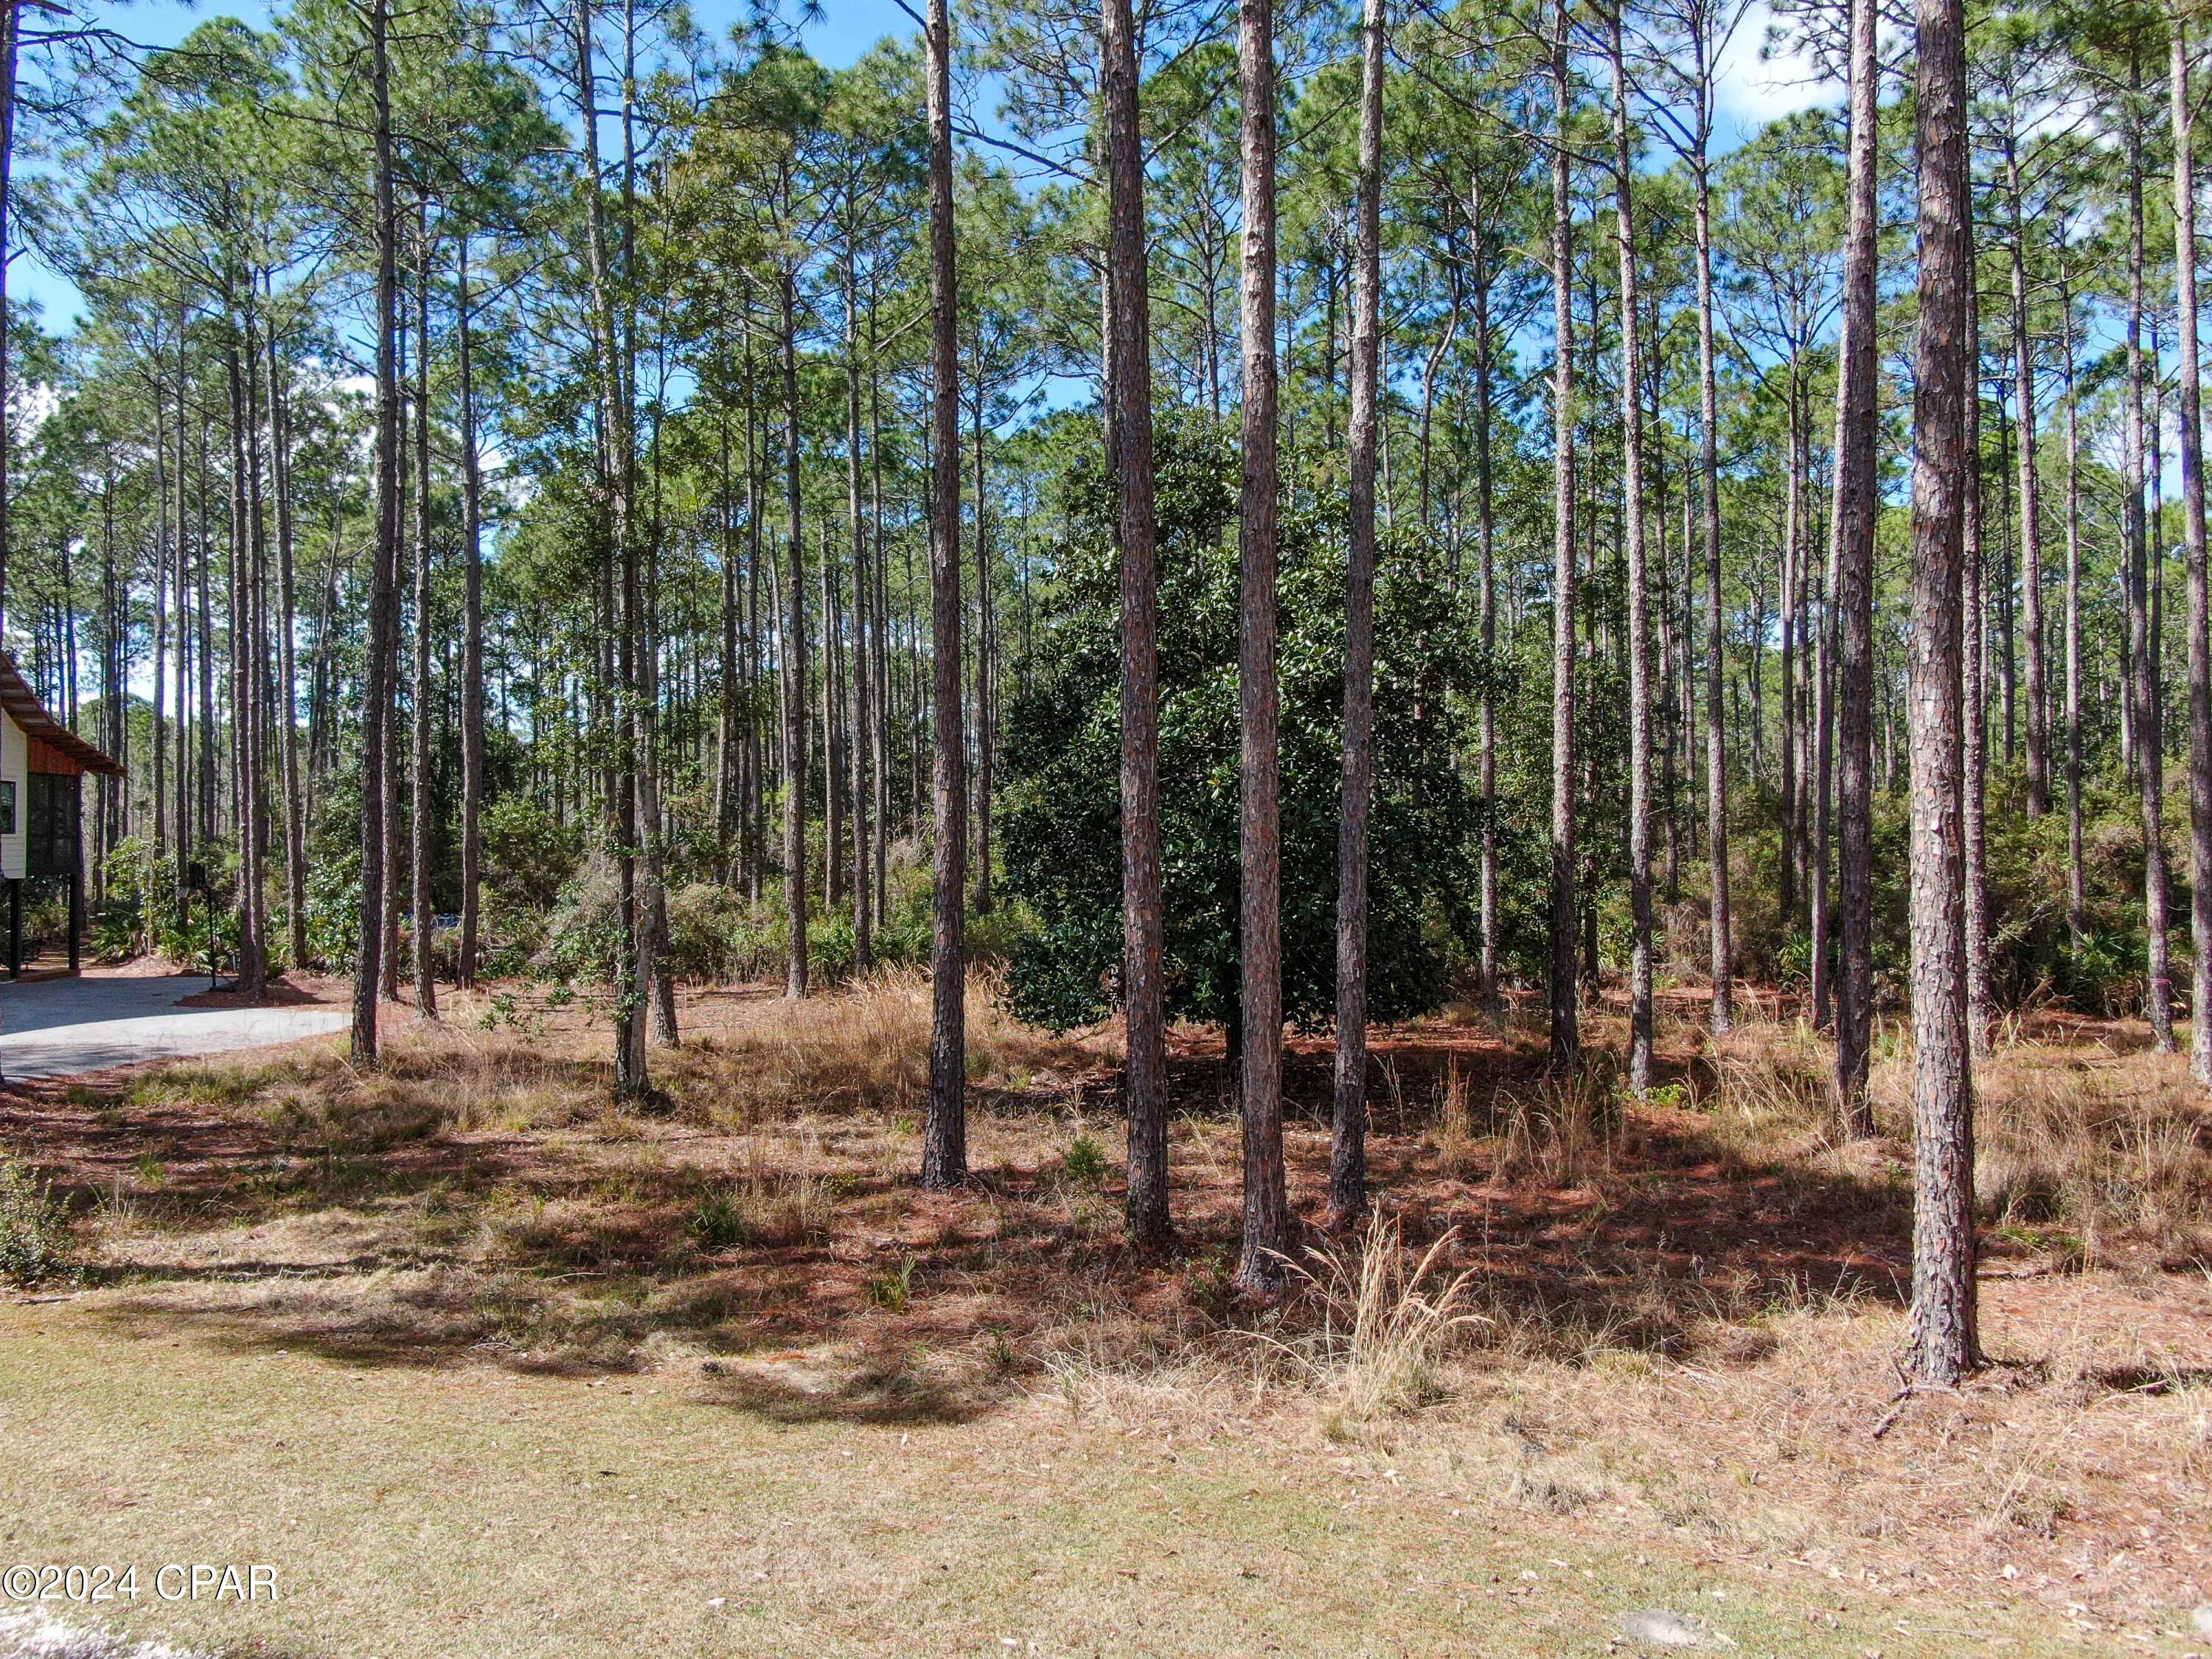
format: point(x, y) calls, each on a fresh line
point(1386, 1318)
point(765, 1206)
point(2110, 1150)
point(862, 1049)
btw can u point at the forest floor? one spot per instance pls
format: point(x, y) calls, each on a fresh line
point(483, 1366)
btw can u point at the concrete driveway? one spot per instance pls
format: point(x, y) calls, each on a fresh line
point(59, 1027)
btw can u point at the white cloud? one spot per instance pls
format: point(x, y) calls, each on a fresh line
point(1756, 85)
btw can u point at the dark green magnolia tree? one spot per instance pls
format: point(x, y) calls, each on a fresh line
point(1062, 820)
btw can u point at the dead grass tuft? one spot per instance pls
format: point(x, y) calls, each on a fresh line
point(2103, 1146)
point(767, 1205)
point(862, 1049)
point(436, 1079)
point(1386, 1319)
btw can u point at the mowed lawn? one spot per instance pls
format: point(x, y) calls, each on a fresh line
point(466, 1509)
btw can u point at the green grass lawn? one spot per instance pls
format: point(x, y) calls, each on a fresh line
point(418, 1509)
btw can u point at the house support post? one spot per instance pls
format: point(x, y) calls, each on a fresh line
point(76, 921)
point(16, 928)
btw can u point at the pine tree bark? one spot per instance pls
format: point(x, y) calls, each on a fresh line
point(863, 948)
point(376, 690)
point(795, 758)
point(1566, 1044)
point(1127, 326)
point(1640, 994)
point(1267, 1203)
point(1348, 1172)
point(2030, 503)
point(11, 26)
point(1708, 480)
point(2078, 891)
point(1486, 615)
point(287, 708)
point(944, 1130)
point(472, 663)
point(160, 746)
point(423, 815)
point(1857, 504)
point(2143, 644)
point(1973, 690)
point(2200, 580)
point(1941, 1346)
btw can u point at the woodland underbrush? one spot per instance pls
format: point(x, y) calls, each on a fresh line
point(1678, 1310)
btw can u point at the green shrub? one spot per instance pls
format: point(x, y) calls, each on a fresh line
point(718, 1223)
point(1084, 1161)
point(34, 1231)
point(892, 1288)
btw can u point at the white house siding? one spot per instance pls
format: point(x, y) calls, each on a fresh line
point(14, 756)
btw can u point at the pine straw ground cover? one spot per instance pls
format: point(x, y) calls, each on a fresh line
point(1649, 1342)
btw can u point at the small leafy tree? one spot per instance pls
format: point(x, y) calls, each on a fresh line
point(1062, 811)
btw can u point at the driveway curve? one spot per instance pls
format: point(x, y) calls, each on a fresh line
point(59, 1027)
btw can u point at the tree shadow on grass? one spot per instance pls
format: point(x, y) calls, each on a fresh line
point(587, 1253)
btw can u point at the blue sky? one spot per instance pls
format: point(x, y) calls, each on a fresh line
point(1753, 90)
point(845, 32)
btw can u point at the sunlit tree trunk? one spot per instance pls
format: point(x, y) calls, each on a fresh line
point(472, 624)
point(2077, 893)
point(1486, 534)
point(1709, 482)
point(1126, 326)
point(2142, 643)
point(1565, 1047)
point(2200, 588)
point(2031, 503)
point(423, 819)
point(286, 711)
point(1266, 1204)
point(857, 755)
point(1857, 504)
point(1348, 1175)
point(1640, 1013)
point(1941, 1346)
point(795, 759)
point(1973, 693)
point(944, 1128)
point(376, 688)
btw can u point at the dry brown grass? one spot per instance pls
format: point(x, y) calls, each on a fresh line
point(2115, 1149)
point(1558, 1132)
point(1674, 1317)
point(437, 1077)
point(864, 1048)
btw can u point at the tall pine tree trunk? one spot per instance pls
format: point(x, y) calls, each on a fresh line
point(1858, 502)
point(1348, 1175)
point(2200, 584)
point(2143, 644)
point(2030, 505)
point(1126, 326)
point(376, 689)
point(1709, 482)
point(857, 738)
point(472, 666)
point(287, 711)
point(1941, 1346)
point(945, 1144)
point(794, 657)
point(1565, 1047)
point(1973, 691)
point(1266, 1204)
point(423, 815)
point(1640, 1013)
point(2077, 892)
